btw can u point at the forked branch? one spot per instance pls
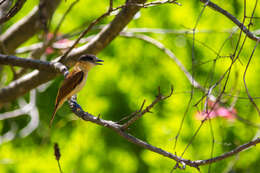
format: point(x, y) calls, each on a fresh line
point(141, 112)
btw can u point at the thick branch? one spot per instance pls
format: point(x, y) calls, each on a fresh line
point(12, 11)
point(25, 28)
point(99, 42)
point(232, 18)
point(32, 63)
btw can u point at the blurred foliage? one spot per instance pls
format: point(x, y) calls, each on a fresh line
point(132, 72)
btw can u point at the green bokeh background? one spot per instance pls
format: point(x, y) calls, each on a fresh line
point(132, 72)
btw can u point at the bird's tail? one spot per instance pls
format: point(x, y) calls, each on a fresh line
point(53, 115)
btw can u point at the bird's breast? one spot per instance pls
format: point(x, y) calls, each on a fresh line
point(79, 86)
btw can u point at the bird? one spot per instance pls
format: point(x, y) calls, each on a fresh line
point(75, 80)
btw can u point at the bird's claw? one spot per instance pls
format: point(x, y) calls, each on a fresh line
point(76, 105)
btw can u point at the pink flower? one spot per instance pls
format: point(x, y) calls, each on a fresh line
point(217, 111)
point(50, 50)
point(225, 113)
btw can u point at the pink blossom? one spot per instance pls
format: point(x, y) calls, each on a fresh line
point(217, 111)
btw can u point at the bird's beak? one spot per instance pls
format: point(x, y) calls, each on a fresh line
point(99, 60)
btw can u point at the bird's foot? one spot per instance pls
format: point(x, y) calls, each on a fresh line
point(76, 105)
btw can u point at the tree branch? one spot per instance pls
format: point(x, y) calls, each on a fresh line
point(141, 112)
point(2, 2)
point(55, 67)
point(12, 11)
point(167, 52)
point(232, 18)
point(25, 28)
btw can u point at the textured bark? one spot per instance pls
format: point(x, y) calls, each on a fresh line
point(12, 12)
point(55, 67)
point(25, 28)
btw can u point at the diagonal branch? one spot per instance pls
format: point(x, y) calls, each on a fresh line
point(12, 11)
point(232, 18)
point(167, 52)
point(25, 28)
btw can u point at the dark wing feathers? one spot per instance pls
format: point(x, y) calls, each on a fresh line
point(72, 80)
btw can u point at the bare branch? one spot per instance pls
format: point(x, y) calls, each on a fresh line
point(37, 53)
point(32, 63)
point(150, 4)
point(167, 52)
point(63, 18)
point(12, 11)
point(230, 153)
point(232, 18)
point(141, 112)
point(55, 45)
point(2, 2)
point(25, 28)
point(244, 79)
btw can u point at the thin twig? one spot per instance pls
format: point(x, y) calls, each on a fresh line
point(90, 26)
point(141, 112)
point(63, 18)
point(232, 18)
point(244, 79)
point(132, 114)
point(167, 52)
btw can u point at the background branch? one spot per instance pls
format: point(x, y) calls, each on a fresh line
point(12, 11)
point(54, 67)
point(25, 28)
point(141, 112)
point(232, 18)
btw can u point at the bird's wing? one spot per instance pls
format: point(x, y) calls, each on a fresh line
point(70, 83)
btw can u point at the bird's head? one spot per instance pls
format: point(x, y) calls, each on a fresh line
point(86, 62)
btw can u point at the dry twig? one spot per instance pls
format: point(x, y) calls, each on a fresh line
point(141, 112)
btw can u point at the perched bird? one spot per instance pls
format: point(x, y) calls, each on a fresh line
point(75, 80)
